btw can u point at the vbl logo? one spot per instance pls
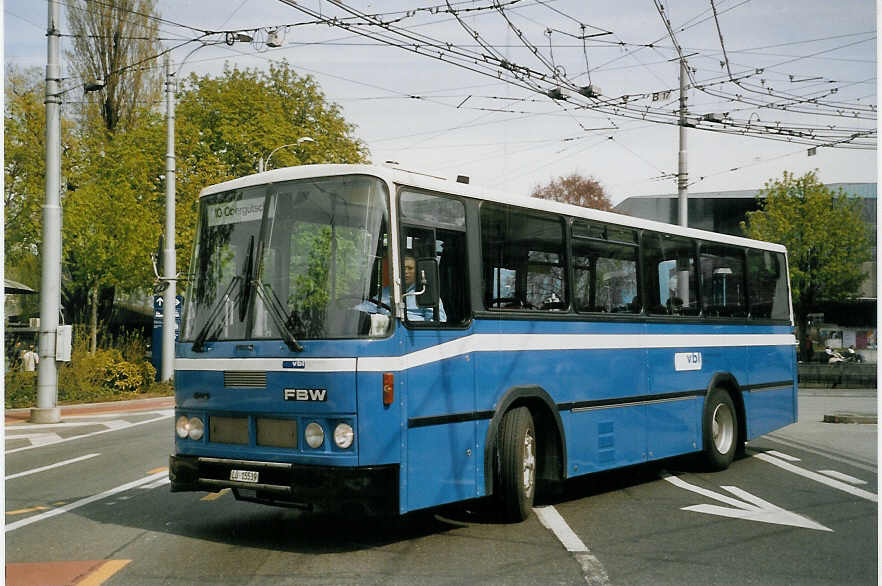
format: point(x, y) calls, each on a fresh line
point(693, 358)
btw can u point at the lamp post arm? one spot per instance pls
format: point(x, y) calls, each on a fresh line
point(264, 161)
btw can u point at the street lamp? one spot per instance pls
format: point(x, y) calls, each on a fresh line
point(169, 261)
point(261, 166)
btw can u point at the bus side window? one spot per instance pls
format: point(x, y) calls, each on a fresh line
point(722, 283)
point(434, 227)
point(523, 260)
point(605, 261)
point(669, 270)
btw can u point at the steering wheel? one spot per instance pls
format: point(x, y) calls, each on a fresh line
point(351, 301)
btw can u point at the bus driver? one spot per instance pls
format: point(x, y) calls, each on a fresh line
point(414, 312)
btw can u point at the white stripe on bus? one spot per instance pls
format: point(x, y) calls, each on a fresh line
point(492, 343)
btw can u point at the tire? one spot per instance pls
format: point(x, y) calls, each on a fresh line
point(719, 430)
point(517, 465)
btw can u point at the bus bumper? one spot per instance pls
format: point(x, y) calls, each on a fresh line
point(370, 489)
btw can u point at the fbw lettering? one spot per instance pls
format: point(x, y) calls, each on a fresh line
point(319, 395)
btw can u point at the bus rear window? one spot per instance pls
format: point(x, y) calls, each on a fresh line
point(767, 285)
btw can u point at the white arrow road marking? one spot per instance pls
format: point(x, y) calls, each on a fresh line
point(755, 510)
point(51, 466)
point(592, 569)
point(818, 477)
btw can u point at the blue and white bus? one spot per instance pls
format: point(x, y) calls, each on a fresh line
point(365, 335)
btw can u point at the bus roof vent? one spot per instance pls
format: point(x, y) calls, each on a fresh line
point(462, 179)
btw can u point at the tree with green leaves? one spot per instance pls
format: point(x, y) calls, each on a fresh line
point(826, 239)
point(24, 179)
point(576, 190)
point(114, 45)
point(113, 218)
point(24, 183)
point(225, 124)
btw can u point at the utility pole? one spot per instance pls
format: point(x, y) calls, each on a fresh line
point(682, 175)
point(46, 410)
point(169, 263)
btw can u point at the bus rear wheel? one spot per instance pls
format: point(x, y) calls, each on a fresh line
point(517, 465)
point(719, 430)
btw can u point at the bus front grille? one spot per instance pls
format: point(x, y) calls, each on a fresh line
point(228, 430)
point(244, 379)
point(279, 433)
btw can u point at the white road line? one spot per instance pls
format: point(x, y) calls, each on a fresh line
point(818, 477)
point(842, 476)
point(116, 424)
point(76, 437)
point(157, 484)
point(85, 501)
point(592, 569)
point(51, 466)
point(783, 456)
point(117, 414)
point(37, 439)
point(818, 451)
point(113, 423)
point(60, 425)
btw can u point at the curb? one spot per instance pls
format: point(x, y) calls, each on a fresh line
point(23, 413)
point(843, 417)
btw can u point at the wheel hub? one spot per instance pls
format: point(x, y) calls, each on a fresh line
point(723, 427)
point(529, 468)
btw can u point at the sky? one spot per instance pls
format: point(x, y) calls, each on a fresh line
point(791, 64)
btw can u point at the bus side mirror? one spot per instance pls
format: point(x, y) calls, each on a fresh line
point(427, 282)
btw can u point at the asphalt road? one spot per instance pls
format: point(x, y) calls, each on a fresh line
point(88, 502)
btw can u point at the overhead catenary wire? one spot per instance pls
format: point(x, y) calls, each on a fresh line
point(541, 82)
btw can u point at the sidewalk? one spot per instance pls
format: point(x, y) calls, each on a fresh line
point(22, 415)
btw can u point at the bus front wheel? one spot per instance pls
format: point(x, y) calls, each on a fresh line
point(720, 430)
point(517, 465)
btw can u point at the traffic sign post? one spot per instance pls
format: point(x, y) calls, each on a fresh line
point(157, 337)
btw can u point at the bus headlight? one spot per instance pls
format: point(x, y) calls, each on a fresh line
point(196, 428)
point(182, 426)
point(191, 427)
point(315, 435)
point(343, 435)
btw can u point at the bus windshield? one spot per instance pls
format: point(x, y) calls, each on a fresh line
point(293, 260)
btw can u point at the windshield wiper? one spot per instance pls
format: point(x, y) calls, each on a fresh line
point(249, 273)
point(199, 342)
point(285, 324)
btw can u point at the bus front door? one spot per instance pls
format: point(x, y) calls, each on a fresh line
point(439, 455)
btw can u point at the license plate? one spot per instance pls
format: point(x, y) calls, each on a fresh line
point(244, 475)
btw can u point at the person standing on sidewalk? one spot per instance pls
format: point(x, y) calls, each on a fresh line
point(29, 359)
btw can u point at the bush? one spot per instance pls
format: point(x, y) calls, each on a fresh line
point(123, 377)
point(21, 389)
point(109, 374)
